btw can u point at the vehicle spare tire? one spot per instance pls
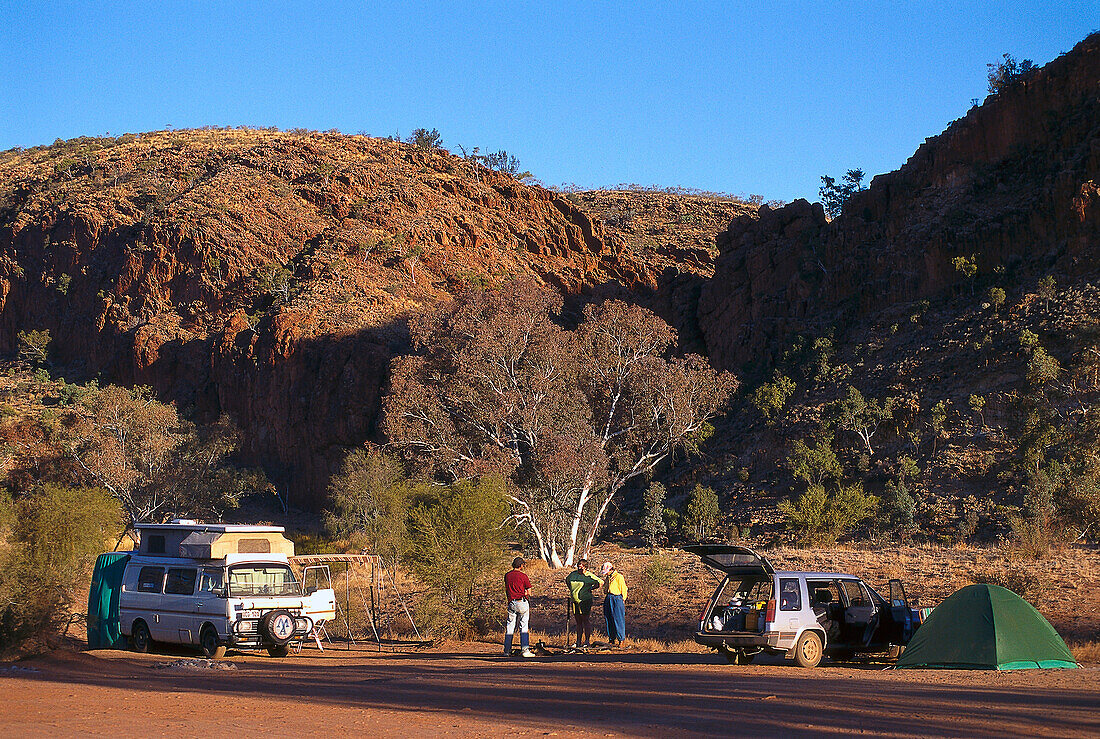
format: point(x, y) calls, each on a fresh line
point(277, 627)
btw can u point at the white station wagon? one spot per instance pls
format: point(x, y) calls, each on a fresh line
point(801, 615)
point(216, 586)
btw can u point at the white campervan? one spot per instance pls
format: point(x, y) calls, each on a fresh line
point(216, 586)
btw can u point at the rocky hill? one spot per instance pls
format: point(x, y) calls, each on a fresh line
point(1013, 186)
point(933, 289)
point(269, 275)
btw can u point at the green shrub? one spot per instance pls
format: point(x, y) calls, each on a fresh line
point(370, 500)
point(653, 520)
point(1019, 581)
point(1029, 339)
point(968, 266)
point(835, 196)
point(34, 347)
point(658, 574)
point(771, 397)
point(53, 537)
point(899, 510)
point(701, 513)
point(426, 140)
point(659, 571)
point(813, 464)
point(70, 394)
point(1006, 73)
point(1036, 529)
point(817, 518)
point(907, 467)
point(1042, 368)
point(455, 537)
point(671, 518)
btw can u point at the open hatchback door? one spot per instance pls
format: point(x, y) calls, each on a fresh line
point(732, 560)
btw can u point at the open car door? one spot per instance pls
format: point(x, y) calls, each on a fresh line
point(732, 560)
point(901, 614)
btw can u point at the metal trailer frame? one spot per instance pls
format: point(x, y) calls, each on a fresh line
point(378, 574)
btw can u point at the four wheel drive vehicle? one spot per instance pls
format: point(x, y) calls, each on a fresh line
point(802, 615)
point(216, 586)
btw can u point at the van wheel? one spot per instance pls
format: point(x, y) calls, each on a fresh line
point(141, 637)
point(208, 640)
point(279, 651)
point(808, 650)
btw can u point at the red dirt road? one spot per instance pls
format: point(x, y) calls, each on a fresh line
point(470, 691)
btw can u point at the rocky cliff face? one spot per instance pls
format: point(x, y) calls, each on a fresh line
point(1013, 185)
point(270, 275)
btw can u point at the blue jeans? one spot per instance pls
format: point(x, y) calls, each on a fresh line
point(614, 612)
point(519, 611)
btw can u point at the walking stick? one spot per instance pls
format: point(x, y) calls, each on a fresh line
point(568, 616)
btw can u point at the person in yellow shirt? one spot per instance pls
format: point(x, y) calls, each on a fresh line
point(614, 603)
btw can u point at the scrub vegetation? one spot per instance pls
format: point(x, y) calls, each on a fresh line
point(49, 540)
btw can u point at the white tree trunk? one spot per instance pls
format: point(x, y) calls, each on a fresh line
point(596, 523)
point(575, 527)
point(866, 435)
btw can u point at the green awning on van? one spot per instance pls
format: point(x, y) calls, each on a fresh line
point(104, 628)
point(986, 627)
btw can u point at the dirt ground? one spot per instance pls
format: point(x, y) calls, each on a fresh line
point(469, 689)
point(660, 686)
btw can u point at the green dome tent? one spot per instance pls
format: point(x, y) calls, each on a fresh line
point(986, 627)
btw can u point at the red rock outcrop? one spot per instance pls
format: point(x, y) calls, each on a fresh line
point(267, 275)
point(1013, 185)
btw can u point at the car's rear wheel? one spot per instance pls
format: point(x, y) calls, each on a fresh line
point(140, 636)
point(208, 641)
point(895, 651)
point(279, 651)
point(808, 651)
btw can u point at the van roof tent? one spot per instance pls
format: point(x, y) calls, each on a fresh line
point(221, 528)
point(192, 540)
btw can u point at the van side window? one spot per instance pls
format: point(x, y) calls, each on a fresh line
point(790, 594)
point(155, 545)
point(180, 582)
point(210, 579)
point(150, 579)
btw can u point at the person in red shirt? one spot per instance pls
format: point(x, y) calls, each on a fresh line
point(517, 585)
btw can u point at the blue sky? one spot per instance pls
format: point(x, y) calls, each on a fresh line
point(738, 97)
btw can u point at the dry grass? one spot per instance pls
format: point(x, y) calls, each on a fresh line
point(678, 646)
point(1086, 652)
point(644, 644)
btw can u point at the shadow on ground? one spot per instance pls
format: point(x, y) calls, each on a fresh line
point(641, 694)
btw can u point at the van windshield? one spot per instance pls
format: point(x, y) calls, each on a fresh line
point(265, 579)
